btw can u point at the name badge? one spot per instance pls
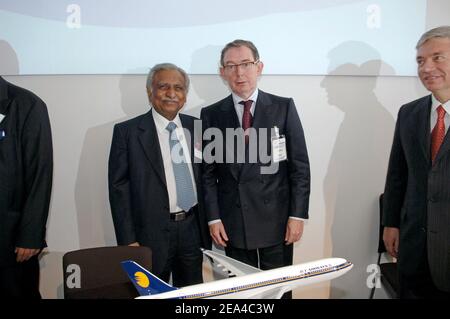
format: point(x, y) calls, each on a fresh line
point(279, 149)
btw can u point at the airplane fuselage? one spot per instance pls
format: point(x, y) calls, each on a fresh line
point(255, 285)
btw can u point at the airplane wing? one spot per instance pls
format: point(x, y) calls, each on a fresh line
point(274, 293)
point(235, 267)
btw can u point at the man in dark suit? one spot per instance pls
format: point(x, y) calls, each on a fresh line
point(154, 175)
point(416, 211)
point(254, 211)
point(26, 167)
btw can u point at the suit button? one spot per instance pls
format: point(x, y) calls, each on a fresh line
point(266, 201)
point(423, 229)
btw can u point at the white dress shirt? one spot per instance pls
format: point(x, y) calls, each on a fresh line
point(434, 116)
point(240, 107)
point(163, 136)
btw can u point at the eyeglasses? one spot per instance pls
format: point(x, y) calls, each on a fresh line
point(244, 66)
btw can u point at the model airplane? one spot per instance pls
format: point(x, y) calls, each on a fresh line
point(249, 282)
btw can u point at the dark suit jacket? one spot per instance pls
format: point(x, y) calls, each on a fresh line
point(417, 195)
point(26, 165)
point(255, 207)
point(137, 186)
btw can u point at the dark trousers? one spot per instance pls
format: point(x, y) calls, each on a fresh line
point(185, 258)
point(265, 258)
point(20, 280)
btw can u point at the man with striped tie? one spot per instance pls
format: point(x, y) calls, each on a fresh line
point(416, 210)
point(154, 180)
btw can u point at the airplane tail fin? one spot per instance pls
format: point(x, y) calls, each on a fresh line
point(145, 282)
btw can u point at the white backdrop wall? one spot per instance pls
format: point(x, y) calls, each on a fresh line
point(348, 123)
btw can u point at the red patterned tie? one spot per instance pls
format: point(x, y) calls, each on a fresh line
point(438, 133)
point(246, 118)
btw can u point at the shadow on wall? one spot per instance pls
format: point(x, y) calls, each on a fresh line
point(357, 167)
point(91, 189)
point(208, 90)
point(9, 63)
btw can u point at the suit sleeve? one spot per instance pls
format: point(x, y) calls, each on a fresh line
point(209, 178)
point(396, 180)
point(119, 189)
point(38, 173)
point(298, 164)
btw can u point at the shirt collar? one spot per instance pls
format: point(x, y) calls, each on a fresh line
point(237, 98)
point(435, 104)
point(161, 122)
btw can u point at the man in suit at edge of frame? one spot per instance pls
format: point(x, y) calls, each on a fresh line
point(416, 207)
point(26, 173)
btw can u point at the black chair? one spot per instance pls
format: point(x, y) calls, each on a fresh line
point(100, 273)
point(388, 270)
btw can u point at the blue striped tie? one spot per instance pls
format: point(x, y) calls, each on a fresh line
point(185, 190)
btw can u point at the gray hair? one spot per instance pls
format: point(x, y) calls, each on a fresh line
point(239, 43)
point(439, 32)
point(166, 67)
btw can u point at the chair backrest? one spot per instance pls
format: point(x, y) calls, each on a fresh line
point(96, 273)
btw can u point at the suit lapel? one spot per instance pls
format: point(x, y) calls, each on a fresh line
point(230, 120)
point(4, 101)
point(229, 113)
point(420, 126)
point(192, 142)
point(445, 147)
point(149, 141)
point(263, 110)
point(3, 89)
point(261, 119)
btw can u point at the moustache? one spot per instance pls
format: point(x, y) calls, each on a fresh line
point(170, 101)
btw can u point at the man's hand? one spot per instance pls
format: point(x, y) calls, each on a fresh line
point(294, 231)
point(23, 254)
point(218, 234)
point(135, 244)
point(391, 238)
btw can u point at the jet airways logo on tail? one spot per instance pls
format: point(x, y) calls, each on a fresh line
point(141, 279)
